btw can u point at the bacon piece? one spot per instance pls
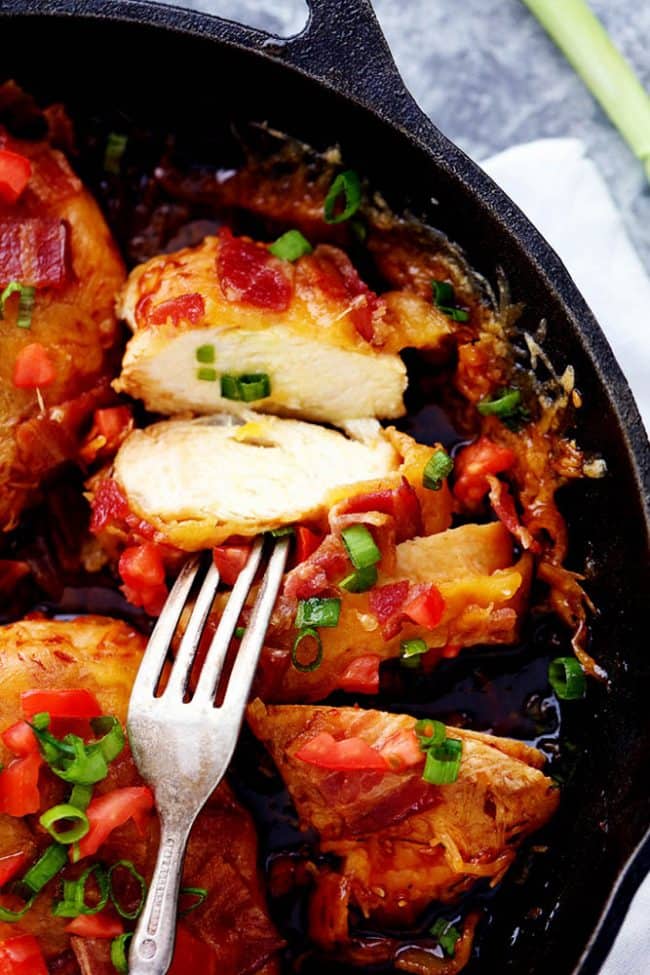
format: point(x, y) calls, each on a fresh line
point(108, 505)
point(328, 563)
point(387, 604)
point(250, 274)
point(332, 271)
point(33, 250)
point(93, 955)
point(401, 503)
point(186, 308)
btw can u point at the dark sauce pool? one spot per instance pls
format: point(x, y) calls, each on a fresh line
point(501, 690)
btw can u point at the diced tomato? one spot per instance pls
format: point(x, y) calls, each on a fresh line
point(114, 809)
point(192, 955)
point(143, 572)
point(19, 795)
point(362, 675)
point(21, 956)
point(307, 542)
point(402, 503)
point(33, 367)
point(230, 560)
point(15, 171)
point(250, 274)
point(387, 604)
point(185, 308)
point(503, 505)
point(11, 865)
point(20, 739)
point(425, 606)
point(402, 750)
point(325, 751)
point(473, 464)
point(95, 926)
point(108, 505)
point(73, 703)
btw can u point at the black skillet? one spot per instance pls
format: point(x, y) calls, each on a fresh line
point(336, 82)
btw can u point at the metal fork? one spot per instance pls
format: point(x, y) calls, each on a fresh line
point(183, 748)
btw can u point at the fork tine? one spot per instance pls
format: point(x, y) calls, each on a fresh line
point(243, 670)
point(158, 646)
point(216, 655)
point(192, 637)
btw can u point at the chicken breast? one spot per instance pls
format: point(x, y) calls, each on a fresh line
point(55, 239)
point(200, 481)
point(228, 307)
point(102, 656)
point(403, 842)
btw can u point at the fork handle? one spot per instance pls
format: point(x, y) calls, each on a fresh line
point(152, 946)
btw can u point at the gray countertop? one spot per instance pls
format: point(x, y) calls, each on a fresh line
point(489, 77)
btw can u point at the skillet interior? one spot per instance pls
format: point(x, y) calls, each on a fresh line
point(196, 87)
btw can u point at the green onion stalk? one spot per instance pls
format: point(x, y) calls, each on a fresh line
point(609, 77)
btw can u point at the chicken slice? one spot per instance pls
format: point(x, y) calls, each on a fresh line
point(200, 481)
point(328, 344)
point(404, 842)
point(102, 655)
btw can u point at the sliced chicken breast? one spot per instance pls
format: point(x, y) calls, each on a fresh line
point(199, 481)
point(328, 345)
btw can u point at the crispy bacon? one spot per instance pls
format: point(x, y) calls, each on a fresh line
point(93, 955)
point(401, 503)
point(332, 272)
point(34, 251)
point(387, 604)
point(189, 308)
point(250, 274)
point(313, 576)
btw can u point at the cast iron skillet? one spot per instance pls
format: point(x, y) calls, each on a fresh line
point(336, 82)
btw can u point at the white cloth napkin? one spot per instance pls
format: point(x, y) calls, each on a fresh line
point(563, 194)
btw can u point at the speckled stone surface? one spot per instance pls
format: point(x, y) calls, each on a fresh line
point(489, 77)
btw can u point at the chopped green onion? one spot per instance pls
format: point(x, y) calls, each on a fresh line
point(115, 146)
point(122, 911)
point(359, 229)
point(207, 374)
point(25, 304)
point(81, 796)
point(442, 763)
point(318, 612)
point(503, 404)
point(567, 678)
point(307, 632)
point(119, 956)
point(87, 767)
point(40, 873)
point(239, 631)
point(429, 732)
point(445, 299)
point(74, 894)
point(205, 353)
point(291, 246)
point(361, 546)
point(247, 387)
point(438, 467)
point(41, 721)
point(411, 652)
point(113, 739)
point(361, 580)
point(10, 917)
point(282, 531)
point(65, 811)
point(446, 935)
point(200, 893)
point(346, 189)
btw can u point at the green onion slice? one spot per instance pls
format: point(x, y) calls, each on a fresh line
point(445, 299)
point(361, 546)
point(205, 353)
point(239, 631)
point(199, 893)
point(438, 467)
point(361, 580)
point(318, 612)
point(504, 404)
point(119, 952)
point(411, 652)
point(345, 191)
point(10, 917)
point(442, 763)
point(310, 633)
point(291, 246)
point(113, 739)
point(567, 678)
point(282, 531)
point(115, 146)
point(81, 796)
point(446, 935)
point(86, 767)
point(248, 387)
point(74, 894)
point(121, 910)
point(429, 732)
point(207, 374)
point(63, 812)
point(25, 304)
point(50, 863)
point(12, 288)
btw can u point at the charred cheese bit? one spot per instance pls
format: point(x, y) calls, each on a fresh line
point(328, 344)
point(199, 481)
